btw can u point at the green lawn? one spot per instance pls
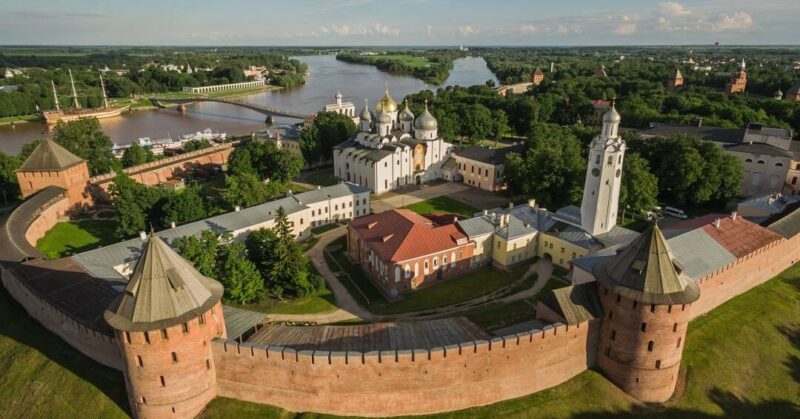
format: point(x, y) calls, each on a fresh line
point(442, 205)
point(500, 315)
point(68, 238)
point(323, 302)
point(322, 178)
point(43, 377)
point(449, 292)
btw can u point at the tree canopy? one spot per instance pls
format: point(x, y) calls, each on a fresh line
point(329, 129)
point(84, 138)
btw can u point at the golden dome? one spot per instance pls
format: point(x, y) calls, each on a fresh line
point(386, 104)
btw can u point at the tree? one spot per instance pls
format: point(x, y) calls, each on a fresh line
point(551, 168)
point(639, 186)
point(285, 165)
point(240, 277)
point(8, 178)
point(500, 126)
point(201, 251)
point(328, 130)
point(84, 138)
point(245, 190)
point(476, 122)
point(240, 162)
point(182, 207)
point(134, 203)
point(136, 155)
point(195, 145)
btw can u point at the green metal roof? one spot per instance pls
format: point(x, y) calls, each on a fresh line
point(49, 156)
point(645, 271)
point(164, 290)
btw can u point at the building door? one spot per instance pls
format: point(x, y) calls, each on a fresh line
point(419, 180)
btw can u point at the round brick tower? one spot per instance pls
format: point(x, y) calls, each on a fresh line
point(164, 322)
point(646, 303)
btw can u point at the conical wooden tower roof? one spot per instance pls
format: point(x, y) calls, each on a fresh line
point(164, 290)
point(49, 156)
point(646, 272)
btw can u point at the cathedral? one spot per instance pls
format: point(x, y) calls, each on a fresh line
point(392, 148)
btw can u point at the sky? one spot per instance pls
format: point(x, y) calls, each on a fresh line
point(398, 22)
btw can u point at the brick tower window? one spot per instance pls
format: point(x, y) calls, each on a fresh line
point(650, 346)
point(164, 334)
point(634, 304)
point(658, 364)
point(679, 343)
point(146, 337)
point(139, 361)
point(675, 327)
point(202, 319)
point(652, 308)
point(127, 337)
point(613, 334)
point(644, 327)
point(619, 298)
point(610, 315)
point(174, 357)
point(164, 383)
point(185, 327)
point(208, 364)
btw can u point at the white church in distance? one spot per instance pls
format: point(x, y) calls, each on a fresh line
point(391, 149)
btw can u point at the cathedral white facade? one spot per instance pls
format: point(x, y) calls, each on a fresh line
point(391, 149)
point(603, 177)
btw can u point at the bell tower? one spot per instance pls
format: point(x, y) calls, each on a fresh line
point(603, 177)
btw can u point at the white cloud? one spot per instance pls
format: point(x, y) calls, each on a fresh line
point(671, 8)
point(626, 28)
point(429, 30)
point(377, 29)
point(467, 30)
point(528, 29)
point(739, 21)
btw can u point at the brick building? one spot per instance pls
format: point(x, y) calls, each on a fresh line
point(480, 167)
point(53, 165)
point(738, 82)
point(402, 251)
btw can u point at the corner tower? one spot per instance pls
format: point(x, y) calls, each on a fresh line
point(603, 177)
point(164, 321)
point(50, 164)
point(646, 304)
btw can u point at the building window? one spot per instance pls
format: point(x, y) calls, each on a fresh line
point(139, 361)
point(610, 315)
point(652, 308)
point(644, 327)
point(185, 327)
point(678, 345)
point(164, 334)
point(658, 364)
point(675, 327)
point(174, 357)
point(613, 335)
point(634, 304)
point(208, 364)
point(146, 337)
point(650, 346)
point(163, 382)
point(127, 337)
point(619, 298)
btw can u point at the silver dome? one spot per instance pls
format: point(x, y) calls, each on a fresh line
point(612, 116)
point(384, 118)
point(365, 113)
point(426, 121)
point(406, 115)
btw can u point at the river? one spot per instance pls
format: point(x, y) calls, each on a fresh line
point(327, 74)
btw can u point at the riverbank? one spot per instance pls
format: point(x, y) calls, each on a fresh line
point(21, 119)
point(432, 68)
point(143, 103)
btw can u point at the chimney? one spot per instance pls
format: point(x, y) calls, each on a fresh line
point(485, 212)
point(503, 220)
point(532, 203)
point(734, 215)
point(319, 187)
point(716, 223)
point(237, 208)
point(172, 224)
point(143, 235)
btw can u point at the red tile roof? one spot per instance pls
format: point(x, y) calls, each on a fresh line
point(740, 237)
point(399, 235)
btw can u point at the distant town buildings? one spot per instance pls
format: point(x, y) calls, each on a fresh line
point(739, 81)
point(225, 87)
point(793, 93)
point(600, 107)
point(771, 160)
point(256, 72)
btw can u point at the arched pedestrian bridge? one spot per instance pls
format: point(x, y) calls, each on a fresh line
point(266, 110)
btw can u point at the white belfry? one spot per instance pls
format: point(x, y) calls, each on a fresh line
point(603, 177)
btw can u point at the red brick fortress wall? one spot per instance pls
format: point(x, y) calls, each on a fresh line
point(405, 382)
point(746, 273)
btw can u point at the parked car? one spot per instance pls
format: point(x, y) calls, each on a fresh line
point(675, 212)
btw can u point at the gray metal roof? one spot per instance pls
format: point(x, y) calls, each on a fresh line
point(788, 226)
point(238, 321)
point(164, 290)
point(699, 254)
point(616, 236)
point(760, 149)
point(515, 228)
point(576, 303)
point(770, 203)
point(477, 226)
point(101, 262)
